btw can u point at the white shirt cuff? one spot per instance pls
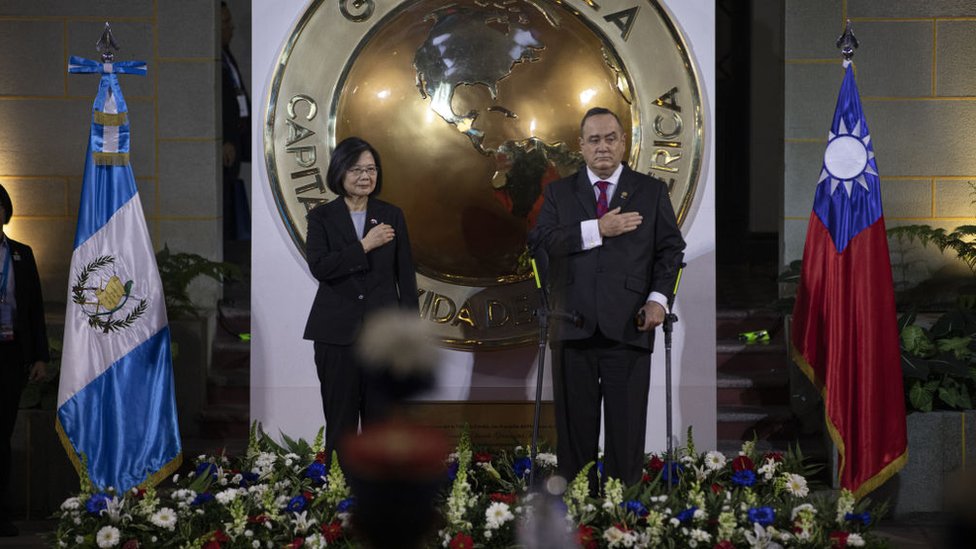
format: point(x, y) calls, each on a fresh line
point(658, 297)
point(590, 232)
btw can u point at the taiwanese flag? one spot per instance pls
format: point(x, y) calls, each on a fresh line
point(845, 334)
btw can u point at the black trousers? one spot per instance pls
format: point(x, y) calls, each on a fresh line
point(347, 394)
point(586, 372)
point(13, 379)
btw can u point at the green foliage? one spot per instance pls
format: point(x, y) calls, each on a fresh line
point(178, 270)
point(939, 363)
point(961, 240)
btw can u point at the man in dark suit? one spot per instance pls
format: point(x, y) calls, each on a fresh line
point(614, 248)
point(23, 342)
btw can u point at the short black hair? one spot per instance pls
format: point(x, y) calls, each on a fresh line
point(597, 111)
point(344, 156)
point(8, 206)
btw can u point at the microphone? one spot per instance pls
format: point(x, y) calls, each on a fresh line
point(539, 272)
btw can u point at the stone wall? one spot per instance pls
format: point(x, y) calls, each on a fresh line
point(915, 72)
point(45, 115)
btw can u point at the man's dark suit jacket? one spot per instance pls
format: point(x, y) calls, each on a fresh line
point(353, 283)
point(607, 285)
point(30, 333)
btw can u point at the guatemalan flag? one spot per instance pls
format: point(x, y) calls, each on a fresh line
point(116, 405)
point(845, 334)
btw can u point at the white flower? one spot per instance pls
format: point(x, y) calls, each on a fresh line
point(184, 495)
point(164, 518)
point(546, 459)
point(674, 522)
point(805, 508)
point(855, 540)
point(768, 469)
point(796, 485)
point(256, 544)
point(699, 514)
point(108, 536)
point(487, 533)
point(315, 541)
point(303, 522)
point(176, 478)
point(79, 539)
point(700, 535)
point(226, 496)
point(71, 504)
point(497, 514)
point(714, 460)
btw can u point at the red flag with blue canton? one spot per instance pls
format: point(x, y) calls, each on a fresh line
point(845, 331)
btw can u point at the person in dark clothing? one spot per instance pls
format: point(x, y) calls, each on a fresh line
point(358, 250)
point(24, 352)
point(236, 119)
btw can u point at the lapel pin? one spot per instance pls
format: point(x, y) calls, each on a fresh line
point(372, 221)
point(623, 194)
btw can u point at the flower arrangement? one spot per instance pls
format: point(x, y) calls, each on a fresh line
point(284, 495)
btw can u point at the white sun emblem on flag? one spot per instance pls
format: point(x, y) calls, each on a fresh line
point(847, 158)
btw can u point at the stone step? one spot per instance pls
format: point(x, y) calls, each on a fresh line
point(224, 421)
point(766, 422)
point(229, 386)
point(729, 323)
point(753, 388)
point(735, 357)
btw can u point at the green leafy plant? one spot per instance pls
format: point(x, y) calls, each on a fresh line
point(178, 270)
point(939, 362)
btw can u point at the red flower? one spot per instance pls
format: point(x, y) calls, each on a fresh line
point(259, 519)
point(461, 541)
point(296, 543)
point(586, 537)
point(724, 544)
point(211, 545)
point(307, 495)
point(645, 478)
point(332, 532)
point(838, 539)
point(743, 463)
point(219, 536)
point(775, 456)
point(504, 498)
point(131, 544)
point(481, 457)
point(140, 492)
point(717, 488)
point(320, 457)
point(656, 464)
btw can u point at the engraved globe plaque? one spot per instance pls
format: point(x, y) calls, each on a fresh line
point(474, 107)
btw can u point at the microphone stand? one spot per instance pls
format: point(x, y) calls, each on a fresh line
point(543, 314)
point(668, 327)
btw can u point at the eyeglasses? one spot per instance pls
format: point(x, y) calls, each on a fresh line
point(360, 170)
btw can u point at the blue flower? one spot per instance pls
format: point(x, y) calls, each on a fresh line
point(206, 468)
point(248, 478)
point(744, 478)
point(687, 514)
point(202, 498)
point(635, 507)
point(452, 471)
point(345, 505)
point(522, 466)
point(864, 518)
point(762, 515)
point(674, 475)
point(97, 503)
point(316, 471)
point(296, 504)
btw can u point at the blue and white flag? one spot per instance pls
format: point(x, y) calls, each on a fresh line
point(116, 404)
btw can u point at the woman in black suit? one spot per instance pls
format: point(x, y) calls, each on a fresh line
point(23, 341)
point(358, 250)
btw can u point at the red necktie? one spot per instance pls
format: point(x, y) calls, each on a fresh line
point(601, 202)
